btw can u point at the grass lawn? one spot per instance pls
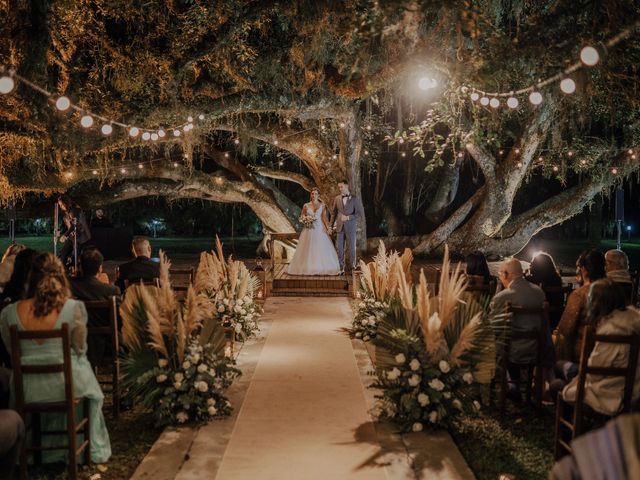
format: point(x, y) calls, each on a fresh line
point(519, 443)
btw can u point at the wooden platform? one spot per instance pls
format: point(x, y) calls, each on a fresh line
point(280, 283)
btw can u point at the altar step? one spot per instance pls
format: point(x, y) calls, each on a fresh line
point(284, 285)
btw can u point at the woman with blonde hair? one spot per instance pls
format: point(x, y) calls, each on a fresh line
point(46, 307)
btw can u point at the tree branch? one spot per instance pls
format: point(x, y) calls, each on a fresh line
point(302, 180)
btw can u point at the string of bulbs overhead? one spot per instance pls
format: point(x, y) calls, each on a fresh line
point(589, 57)
point(8, 82)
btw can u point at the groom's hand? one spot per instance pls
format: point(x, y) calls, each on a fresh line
point(344, 218)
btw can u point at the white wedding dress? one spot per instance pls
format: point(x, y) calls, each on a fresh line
point(315, 253)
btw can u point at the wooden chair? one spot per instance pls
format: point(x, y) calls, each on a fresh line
point(535, 368)
point(153, 283)
point(67, 406)
point(575, 426)
point(108, 308)
point(182, 275)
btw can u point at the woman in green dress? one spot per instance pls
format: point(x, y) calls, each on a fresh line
point(48, 305)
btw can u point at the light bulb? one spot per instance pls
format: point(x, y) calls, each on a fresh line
point(123, 170)
point(140, 166)
point(201, 116)
point(342, 125)
point(69, 174)
point(535, 98)
point(589, 56)
point(190, 126)
point(570, 153)
point(63, 104)
point(583, 162)
point(494, 102)
point(189, 119)
point(236, 141)
point(95, 172)
point(275, 142)
point(614, 171)
point(176, 133)
point(185, 128)
point(630, 152)
point(175, 164)
point(474, 96)
point(226, 155)
point(366, 152)
point(427, 83)
point(134, 131)
point(517, 151)
point(86, 121)
point(484, 101)
point(512, 102)
point(555, 168)
point(460, 154)
point(288, 122)
point(568, 86)
point(154, 136)
point(7, 84)
point(106, 129)
point(403, 154)
point(161, 133)
point(146, 136)
point(519, 164)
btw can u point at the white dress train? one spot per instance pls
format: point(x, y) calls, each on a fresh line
point(315, 253)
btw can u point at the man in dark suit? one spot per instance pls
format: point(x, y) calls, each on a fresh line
point(142, 267)
point(345, 212)
point(89, 286)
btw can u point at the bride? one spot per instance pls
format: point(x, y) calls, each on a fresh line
point(315, 253)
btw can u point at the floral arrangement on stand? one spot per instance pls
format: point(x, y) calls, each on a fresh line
point(231, 288)
point(379, 286)
point(166, 368)
point(434, 352)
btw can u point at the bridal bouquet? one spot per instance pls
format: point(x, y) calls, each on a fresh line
point(433, 351)
point(307, 220)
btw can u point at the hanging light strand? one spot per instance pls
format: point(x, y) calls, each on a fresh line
point(63, 103)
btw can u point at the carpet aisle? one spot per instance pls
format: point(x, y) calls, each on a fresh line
point(305, 414)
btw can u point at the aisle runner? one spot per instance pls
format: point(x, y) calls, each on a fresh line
point(304, 416)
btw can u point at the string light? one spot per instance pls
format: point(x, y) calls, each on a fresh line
point(175, 164)
point(176, 133)
point(535, 98)
point(403, 154)
point(474, 96)
point(460, 154)
point(494, 102)
point(86, 121)
point(236, 141)
point(189, 119)
point(201, 116)
point(568, 86)
point(161, 133)
point(123, 170)
point(614, 171)
point(288, 122)
point(589, 56)
point(95, 172)
point(134, 131)
point(63, 104)
point(154, 136)
point(275, 142)
point(7, 84)
point(146, 136)
point(512, 102)
point(106, 129)
point(555, 168)
point(140, 166)
point(342, 125)
point(226, 155)
point(517, 151)
point(570, 153)
point(484, 101)
point(69, 174)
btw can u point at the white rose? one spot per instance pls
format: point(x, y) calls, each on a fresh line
point(243, 312)
point(366, 338)
point(361, 305)
point(358, 334)
point(161, 378)
point(371, 317)
point(238, 328)
point(447, 395)
point(163, 362)
point(372, 321)
point(177, 385)
point(225, 301)
point(444, 366)
point(221, 309)
point(457, 404)
point(202, 386)
point(414, 380)
point(186, 364)
point(476, 405)
point(212, 411)
point(239, 303)
point(468, 377)
point(364, 321)
point(415, 364)
point(202, 368)
point(416, 427)
point(378, 305)
point(433, 417)
point(237, 309)
point(195, 358)
point(436, 384)
point(393, 374)
point(178, 377)
point(400, 358)
point(211, 402)
point(247, 299)
point(182, 417)
point(423, 399)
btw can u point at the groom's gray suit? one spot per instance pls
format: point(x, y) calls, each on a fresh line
point(352, 207)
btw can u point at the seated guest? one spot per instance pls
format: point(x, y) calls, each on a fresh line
point(47, 306)
point(477, 269)
point(568, 335)
point(88, 287)
point(518, 292)
point(543, 272)
point(616, 264)
point(6, 267)
point(12, 434)
point(141, 268)
point(608, 312)
point(15, 288)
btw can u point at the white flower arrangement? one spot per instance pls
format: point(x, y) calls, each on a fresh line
point(370, 313)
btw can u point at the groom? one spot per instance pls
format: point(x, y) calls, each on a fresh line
point(345, 212)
